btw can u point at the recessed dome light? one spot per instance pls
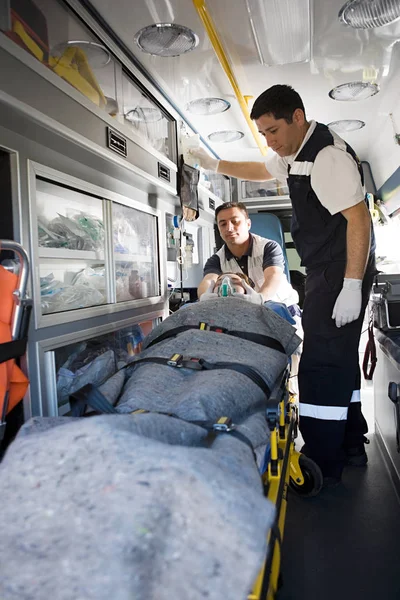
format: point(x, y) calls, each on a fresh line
point(225, 136)
point(355, 90)
point(208, 106)
point(143, 115)
point(97, 55)
point(346, 125)
point(366, 14)
point(166, 39)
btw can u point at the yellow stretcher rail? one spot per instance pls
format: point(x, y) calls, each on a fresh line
point(283, 468)
point(207, 21)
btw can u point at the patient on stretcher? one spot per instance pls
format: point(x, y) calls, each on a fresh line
point(141, 504)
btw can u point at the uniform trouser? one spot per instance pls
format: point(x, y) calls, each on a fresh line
point(329, 372)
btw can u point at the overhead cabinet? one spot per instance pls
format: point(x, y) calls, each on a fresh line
point(52, 62)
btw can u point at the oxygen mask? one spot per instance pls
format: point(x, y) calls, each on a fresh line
point(225, 288)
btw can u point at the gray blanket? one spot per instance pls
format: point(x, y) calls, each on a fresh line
point(207, 395)
point(136, 506)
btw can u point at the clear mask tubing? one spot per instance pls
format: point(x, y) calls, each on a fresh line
point(225, 289)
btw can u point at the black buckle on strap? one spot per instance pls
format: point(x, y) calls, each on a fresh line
point(193, 363)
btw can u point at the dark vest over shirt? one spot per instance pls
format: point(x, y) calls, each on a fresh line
point(319, 237)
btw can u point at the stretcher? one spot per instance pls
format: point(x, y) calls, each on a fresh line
point(283, 467)
point(179, 495)
point(14, 320)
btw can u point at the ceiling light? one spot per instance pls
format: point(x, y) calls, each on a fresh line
point(225, 136)
point(97, 55)
point(281, 30)
point(346, 125)
point(208, 106)
point(166, 39)
point(355, 90)
point(143, 115)
point(366, 14)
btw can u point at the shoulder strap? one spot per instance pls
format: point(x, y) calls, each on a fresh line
point(258, 338)
point(12, 349)
point(86, 396)
point(370, 354)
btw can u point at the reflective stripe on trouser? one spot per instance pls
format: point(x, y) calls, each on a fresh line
point(329, 371)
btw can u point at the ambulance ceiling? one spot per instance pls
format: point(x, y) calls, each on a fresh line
point(339, 54)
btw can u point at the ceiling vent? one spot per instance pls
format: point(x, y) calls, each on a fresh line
point(208, 106)
point(367, 14)
point(225, 136)
point(355, 90)
point(346, 125)
point(166, 39)
point(143, 115)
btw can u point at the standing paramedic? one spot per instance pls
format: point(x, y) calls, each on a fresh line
point(332, 232)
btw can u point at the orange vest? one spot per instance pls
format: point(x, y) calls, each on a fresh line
point(12, 378)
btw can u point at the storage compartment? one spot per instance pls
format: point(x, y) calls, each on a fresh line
point(135, 253)
point(71, 238)
point(146, 119)
point(48, 31)
point(386, 302)
point(65, 46)
point(91, 251)
point(257, 189)
point(387, 420)
point(95, 360)
point(217, 184)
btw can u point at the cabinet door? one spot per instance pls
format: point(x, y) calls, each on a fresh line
point(135, 253)
point(71, 248)
point(145, 118)
point(58, 39)
point(385, 410)
point(95, 361)
point(255, 189)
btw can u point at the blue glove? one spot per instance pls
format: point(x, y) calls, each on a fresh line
point(281, 310)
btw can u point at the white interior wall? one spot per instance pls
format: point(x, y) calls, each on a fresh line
point(383, 151)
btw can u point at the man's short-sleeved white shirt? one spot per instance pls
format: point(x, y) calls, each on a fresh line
point(335, 178)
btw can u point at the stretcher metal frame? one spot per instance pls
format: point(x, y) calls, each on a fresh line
point(284, 470)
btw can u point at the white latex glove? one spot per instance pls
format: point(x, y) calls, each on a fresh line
point(348, 304)
point(209, 294)
point(251, 295)
point(205, 160)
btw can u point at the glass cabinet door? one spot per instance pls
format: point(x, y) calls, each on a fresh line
point(95, 360)
point(51, 33)
point(256, 189)
point(144, 117)
point(135, 253)
point(71, 242)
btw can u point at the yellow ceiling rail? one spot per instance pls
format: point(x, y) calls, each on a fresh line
point(207, 21)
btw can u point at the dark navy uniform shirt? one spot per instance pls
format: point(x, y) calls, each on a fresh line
point(273, 257)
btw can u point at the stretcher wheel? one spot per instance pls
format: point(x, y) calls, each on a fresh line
point(313, 479)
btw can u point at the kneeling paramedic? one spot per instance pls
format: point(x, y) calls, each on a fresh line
point(258, 258)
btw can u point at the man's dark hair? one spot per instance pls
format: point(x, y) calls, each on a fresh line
point(227, 205)
point(280, 101)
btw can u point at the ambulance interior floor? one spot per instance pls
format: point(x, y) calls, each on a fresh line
point(344, 543)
